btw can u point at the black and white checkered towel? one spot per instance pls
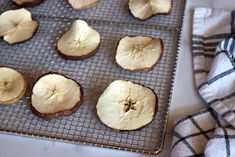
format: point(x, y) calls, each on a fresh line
point(211, 132)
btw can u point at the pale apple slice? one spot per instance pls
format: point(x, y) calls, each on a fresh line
point(83, 4)
point(17, 26)
point(139, 53)
point(79, 42)
point(55, 95)
point(27, 2)
point(12, 85)
point(144, 9)
point(126, 106)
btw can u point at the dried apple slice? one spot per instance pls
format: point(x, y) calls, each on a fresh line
point(79, 42)
point(126, 106)
point(144, 9)
point(55, 95)
point(27, 2)
point(12, 85)
point(83, 4)
point(139, 53)
point(17, 26)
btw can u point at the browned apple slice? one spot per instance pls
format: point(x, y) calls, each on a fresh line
point(17, 26)
point(83, 4)
point(144, 9)
point(12, 85)
point(126, 106)
point(79, 42)
point(139, 53)
point(27, 2)
point(55, 95)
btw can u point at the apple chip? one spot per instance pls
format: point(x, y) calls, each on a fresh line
point(55, 95)
point(12, 85)
point(79, 42)
point(139, 53)
point(17, 26)
point(126, 106)
point(144, 9)
point(83, 4)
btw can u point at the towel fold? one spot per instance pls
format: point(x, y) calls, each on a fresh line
point(211, 132)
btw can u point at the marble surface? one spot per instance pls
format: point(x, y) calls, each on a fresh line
point(185, 100)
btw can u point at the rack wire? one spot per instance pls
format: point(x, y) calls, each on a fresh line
point(39, 55)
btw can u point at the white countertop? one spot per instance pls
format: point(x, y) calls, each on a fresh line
point(185, 100)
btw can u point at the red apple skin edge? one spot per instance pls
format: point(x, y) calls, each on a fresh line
point(75, 58)
point(30, 4)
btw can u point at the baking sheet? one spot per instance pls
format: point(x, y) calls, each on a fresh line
point(39, 55)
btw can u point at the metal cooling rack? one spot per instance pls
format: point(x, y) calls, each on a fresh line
point(38, 56)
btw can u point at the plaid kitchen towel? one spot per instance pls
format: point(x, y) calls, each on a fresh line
point(211, 132)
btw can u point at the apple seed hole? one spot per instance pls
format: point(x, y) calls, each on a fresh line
point(129, 105)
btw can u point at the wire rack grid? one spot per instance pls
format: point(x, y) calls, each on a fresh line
point(39, 55)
